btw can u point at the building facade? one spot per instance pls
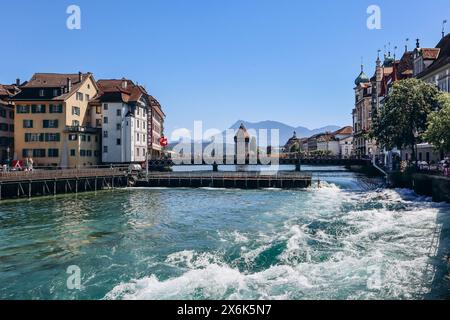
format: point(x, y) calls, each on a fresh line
point(155, 128)
point(362, 117)
point(7, 122)
point(124, 106)
point(53, 121)
point(431, 65)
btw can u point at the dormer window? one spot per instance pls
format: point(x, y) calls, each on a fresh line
point(55, 92)
point(41, 92)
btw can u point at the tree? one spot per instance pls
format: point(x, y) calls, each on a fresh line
point(438, 131)
point(403, 118)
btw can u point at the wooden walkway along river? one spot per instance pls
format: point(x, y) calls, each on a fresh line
point(15, 185)
point(236, 180)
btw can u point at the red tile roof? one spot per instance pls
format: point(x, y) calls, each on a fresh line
point(54, 80)
point(430, 53)
point(344, 131)
point(123, 90)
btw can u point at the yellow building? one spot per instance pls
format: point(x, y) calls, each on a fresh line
point(54, 124)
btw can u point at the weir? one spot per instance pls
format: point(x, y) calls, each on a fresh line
point(233, 180)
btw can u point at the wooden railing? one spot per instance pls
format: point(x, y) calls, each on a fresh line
point(61, 174)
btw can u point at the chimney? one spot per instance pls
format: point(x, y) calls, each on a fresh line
point(69, 85)
point(80, 76)
point(124, 83)
point(18, 82)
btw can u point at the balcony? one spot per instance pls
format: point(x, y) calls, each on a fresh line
point(80, 129)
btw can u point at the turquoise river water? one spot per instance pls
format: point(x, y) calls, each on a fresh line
point(345, 240)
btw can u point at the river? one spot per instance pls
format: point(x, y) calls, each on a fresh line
point(344, 240)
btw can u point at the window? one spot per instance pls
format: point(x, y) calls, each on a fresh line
point(41, 92)
point(76, 111)
point(52, 137)
point(105, 120)
point(55, 108)
point(11, 114)
point(105, 134)
point(105, 149)
point(11, 127)
point(118, 142)
point(83, 137)
point(55, 92)
point(40, 108)
point(53, 153)
point(73, 152)
point(73, 137)
point(105, 106)
point(23, 109)
point(50, 124)
point(88, 153)
point(3, 113)
point(75, 123)
point(137, 152)
point(4, 127)
point(38, 153)
point(96, 138)
point(119, 112)
point(27, 124)
point(89, 138)
point(26, 153)
point(98, 122)
point(34, 137)
point(87, 97)
point(119, 126)
point(82, 153)
point(98, 110)
point(96, 153)
point(79, 96)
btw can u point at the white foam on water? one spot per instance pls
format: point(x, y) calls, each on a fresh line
point(381, 253)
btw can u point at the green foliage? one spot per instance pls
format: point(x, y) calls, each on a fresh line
point(403, 118)
point(438, 131)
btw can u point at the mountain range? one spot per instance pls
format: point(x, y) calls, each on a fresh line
point(286, 131)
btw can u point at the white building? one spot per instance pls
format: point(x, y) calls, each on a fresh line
point(346, 147)
point(332, 146)
point(124, 120)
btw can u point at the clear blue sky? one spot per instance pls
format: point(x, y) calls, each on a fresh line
point(219, 60)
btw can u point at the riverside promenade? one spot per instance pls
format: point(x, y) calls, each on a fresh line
point(21, 184)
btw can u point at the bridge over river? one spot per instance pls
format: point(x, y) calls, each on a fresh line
point(298, 161)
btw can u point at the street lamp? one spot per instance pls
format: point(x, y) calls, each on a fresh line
point(8, 151)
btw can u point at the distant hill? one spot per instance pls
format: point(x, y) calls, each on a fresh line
point(285, 130)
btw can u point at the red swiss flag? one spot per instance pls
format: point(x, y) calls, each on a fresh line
point(163, 141)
